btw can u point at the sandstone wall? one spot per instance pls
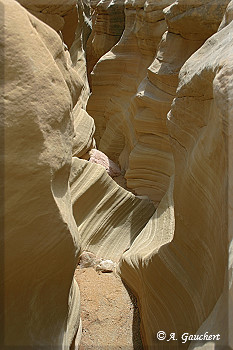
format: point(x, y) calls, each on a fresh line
point(150, 160)
point(41, 240)
point(130, 114)
point(109, 218)
point(117, 75)
point(184, 257)
point(84, 127)
point(108, 23)
point(45, 123)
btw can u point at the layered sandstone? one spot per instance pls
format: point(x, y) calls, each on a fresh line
point(112, 219)
point(84, 127)
point(186, 251)
point(118, 73)
point(130, 114)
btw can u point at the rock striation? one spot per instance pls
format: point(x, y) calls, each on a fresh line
point(112, 219)
point(130, 115)
point(187, 252)
point(124, 66)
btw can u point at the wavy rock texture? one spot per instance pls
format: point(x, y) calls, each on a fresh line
point(134, 132)
point(41, 240)
point(221, 317)
point(189, 269)
point(196, 19)
point(116, 76)
point(131, 122)
point(228, 16)
point(110, 222)
point(150, 161)
point(108, 21)
point(75, 28)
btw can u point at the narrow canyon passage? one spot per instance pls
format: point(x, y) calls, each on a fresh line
point(117, 139)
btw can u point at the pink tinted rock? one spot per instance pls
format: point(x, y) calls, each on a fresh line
point(99, 157)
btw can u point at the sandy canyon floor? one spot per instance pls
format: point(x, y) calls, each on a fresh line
point(109, 312)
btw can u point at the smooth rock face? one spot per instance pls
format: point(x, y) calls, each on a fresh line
point(41, 239)
point(228, 16)
point(187, 252)
point(131, 123)
point(196, 18)
point(151, 161)
point(63, 16)
point(116, 76)
point(84, 127)
point(47, 6)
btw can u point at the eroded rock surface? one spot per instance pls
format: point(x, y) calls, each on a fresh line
point(112, 219)
point(41, 240)
point(130, 114)
point(187, 266)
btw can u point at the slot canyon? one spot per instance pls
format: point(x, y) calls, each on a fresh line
point(116, 174)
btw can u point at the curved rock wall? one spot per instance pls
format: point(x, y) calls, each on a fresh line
point(187, 252)
point(108, 23)
point(42, 132)
point(116, 76)
point(150, 162)
point(109, 218)
point(130, 114)
point(41, 240)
